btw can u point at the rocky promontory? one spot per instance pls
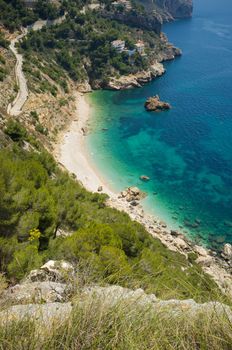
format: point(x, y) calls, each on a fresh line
point(137, 79)
point(153, 104)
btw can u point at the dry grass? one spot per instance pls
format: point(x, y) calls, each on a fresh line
point(96, 324)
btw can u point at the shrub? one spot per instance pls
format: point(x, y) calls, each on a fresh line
point(15, 130)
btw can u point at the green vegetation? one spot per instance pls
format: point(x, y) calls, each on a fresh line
point(3, 42)
point(3, 69)
point(14, 14)
point(81, 46)
point(98, 325)
point(36, 194)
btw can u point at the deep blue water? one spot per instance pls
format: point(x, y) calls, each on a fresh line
point(187, 151)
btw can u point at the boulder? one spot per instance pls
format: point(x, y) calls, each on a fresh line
point(227, 252)
point(181, 244)
point(154, 104)
point(132, 194)
point(56, 271)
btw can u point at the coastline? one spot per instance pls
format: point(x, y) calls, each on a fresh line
point(70, 151)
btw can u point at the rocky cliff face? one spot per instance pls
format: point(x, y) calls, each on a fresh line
point(134, 19)
point(170, 8)
point(177, 8)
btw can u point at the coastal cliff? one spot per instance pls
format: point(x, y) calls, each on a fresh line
point(141, 20)
point(169, 9)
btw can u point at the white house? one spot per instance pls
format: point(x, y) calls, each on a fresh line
point(140, 47)
point(118, 45)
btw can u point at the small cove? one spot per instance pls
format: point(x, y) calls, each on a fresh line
point(187, 151)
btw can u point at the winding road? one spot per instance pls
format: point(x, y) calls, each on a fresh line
point(15, 108)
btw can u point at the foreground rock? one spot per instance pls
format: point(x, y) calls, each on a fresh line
point(37, 292)
point(56, 271)
point(154, 104)
point(51, 313)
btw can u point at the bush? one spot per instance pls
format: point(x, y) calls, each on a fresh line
point(15, 130)
point(24, 260)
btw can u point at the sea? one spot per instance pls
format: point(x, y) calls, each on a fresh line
point(186, 151)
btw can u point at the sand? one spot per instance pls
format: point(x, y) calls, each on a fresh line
point(72, 150)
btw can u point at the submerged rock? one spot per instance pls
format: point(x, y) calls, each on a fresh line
point(154, 104)
point(144, 178)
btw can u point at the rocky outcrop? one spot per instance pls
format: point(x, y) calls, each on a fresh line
point(51, 283)
point(136, 80)
point(154, 104)
point(149, 21)
point(56, 271)
point(169, 9)
point(172, 307)
point(176, 8)
point(110, 296)
point(84, 87)
point(37, 292)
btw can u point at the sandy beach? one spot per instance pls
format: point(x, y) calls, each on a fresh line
point(71, 153)
point(72, 150)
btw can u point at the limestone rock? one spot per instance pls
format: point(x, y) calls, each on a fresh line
point(200, 250)
point(154, 104)
point(84, 87)
point(180, 243)
point(115, 294)
point(37, 292)
point(204, 260)
point(132, 194)
point(57, 271)
point(137, 79)
point(227, 251)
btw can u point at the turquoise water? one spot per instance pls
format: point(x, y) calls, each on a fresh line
point(187, 151)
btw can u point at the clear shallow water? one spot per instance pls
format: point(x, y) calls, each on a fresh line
point(187, 151)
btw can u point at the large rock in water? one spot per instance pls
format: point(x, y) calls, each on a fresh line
point(154, 104)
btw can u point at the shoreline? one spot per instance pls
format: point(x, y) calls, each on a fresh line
point(70, 151)
point(77, 160)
